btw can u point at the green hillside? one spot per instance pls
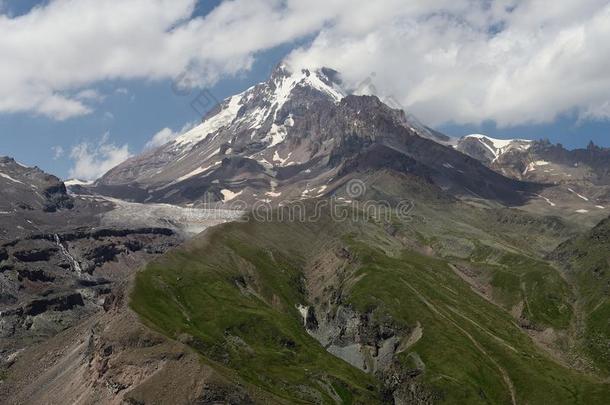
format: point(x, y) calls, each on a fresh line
point(443, 290)
point(586, 261)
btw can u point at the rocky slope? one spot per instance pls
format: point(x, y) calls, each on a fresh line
point(63, 256)
point(64, 260)
point(51, 281)
point(32, 200)
point(111, 358)
point(417, 324)
point(28, 189)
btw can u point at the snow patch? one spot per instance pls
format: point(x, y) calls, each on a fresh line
point(276, 135)
point(579, 196)
point(314, 81)
point(77, 182)
point(582, 211)
point(289, 122)
point(6, 176)
point(257, 117)
point(497, 143)
point(551, 203)
point(277, 158)
point(195, 172)
point(223, 118)
point(306, 192)
point(229, 195)
point(530, 168)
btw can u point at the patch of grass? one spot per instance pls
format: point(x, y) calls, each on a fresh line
point(545, 294)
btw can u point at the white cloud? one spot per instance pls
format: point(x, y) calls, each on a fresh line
point(58, 152)
point(465, 61)
point(66, 45)
point(597, 112)
point(450, 66)
point(167, 135)
point(92, 160)
point(161, 138)
point(89, 95)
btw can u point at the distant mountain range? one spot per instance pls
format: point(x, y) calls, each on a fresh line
point(297, 136)
point(300, 135)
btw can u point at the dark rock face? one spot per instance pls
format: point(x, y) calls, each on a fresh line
point(35, 255)
point(26, 188)
point(32, 201)
point(594, 157)
point(58, 303)
point(49, 282)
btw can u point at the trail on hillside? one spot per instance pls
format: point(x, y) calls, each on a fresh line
point(477, 345)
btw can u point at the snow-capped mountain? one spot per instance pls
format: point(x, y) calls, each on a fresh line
point(576, 181)
point(488, 149)
point(539, 161)
point(252, 126)
point(295, 136)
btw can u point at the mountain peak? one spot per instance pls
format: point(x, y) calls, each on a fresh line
point(258, 109)
point(488, 149)
point(329, 76)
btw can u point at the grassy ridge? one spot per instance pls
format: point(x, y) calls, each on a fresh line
point(258, 334)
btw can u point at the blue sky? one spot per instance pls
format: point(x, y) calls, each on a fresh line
point(125, 107)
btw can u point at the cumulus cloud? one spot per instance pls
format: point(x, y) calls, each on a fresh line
point(510, 62)
point(65, 45)
point(463, 61)
point(92, 160)
point(167, 135)
point(161, 138)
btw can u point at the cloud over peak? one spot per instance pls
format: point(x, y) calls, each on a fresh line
point(511, 63)
point(462, 61)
